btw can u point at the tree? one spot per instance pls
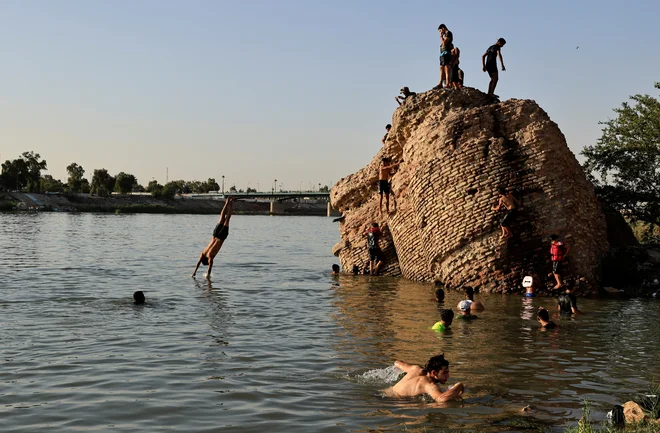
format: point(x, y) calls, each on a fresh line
point(102, 183)
point(50, 184)
point(250, 190)
point(124, 183)
point(170, 189)
point(23, 173)
point(75, 179)
point(625, 162)
point(324, 189)
point(155, 188)
point(212, 185)
point(232, 188)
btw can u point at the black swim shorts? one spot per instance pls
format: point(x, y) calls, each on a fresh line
point(445, 59)
point(375, 255)
point(556, 267)
point(491, 68)
point(508, 218)
point(383, 187)
point(221, 232)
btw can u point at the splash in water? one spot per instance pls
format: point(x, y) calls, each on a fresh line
point(387, 375)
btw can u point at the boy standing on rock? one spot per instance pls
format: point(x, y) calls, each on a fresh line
point(384, 186)
point(446, 45)
point(558, 252)
point(489, 63)
point(509, 202)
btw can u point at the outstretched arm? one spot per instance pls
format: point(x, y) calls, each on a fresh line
point(396, 98)
point(208, 273)
point(454, 393)
point(197, 265)
point(405, 367)
point(221, 220)
point(499, 54)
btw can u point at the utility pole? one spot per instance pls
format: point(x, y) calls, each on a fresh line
point(223, 184)
point(167, 174)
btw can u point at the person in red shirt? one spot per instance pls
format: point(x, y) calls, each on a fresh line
point(558, 252)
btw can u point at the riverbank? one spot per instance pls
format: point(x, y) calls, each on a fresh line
point(147, 204)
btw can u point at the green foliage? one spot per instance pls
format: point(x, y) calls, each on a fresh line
point(102, 183)
point(625, 162)
point(124, 183)
point(23, 173)
point(324, 189)
point(75, 180)
point(50, 184)
point(155, 188)
point(170, 190)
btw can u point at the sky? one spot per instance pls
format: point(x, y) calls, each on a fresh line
point(298, 91)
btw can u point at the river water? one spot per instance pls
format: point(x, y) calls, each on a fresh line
point(273, 343)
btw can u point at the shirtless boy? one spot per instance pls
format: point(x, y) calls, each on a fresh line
point(509, 202)
point(418, 381)
point(220, 233)
point(384, 183)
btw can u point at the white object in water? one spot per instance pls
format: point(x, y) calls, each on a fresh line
point(528, 281)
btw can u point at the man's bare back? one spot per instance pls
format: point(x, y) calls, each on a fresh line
point(386, 171)
point(508, 201)
point(419, 381)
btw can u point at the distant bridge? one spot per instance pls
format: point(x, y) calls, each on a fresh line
point(271, 196)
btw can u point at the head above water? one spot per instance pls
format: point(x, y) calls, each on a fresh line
point(501, 42)
point(543, 315)
point(469, 293)
point(447, 316)
point(465, 306)
point(355, 270)
point(138, 297)
point(335, 268)
point(438, 368)
point(439, 295)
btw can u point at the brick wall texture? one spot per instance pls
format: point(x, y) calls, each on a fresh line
point(457, 148)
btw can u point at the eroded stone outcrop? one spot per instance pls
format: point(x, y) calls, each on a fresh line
point(457, 147)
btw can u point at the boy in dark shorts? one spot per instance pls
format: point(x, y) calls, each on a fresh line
point(456, 76)
point(375, 254)
point(489, 63)
point(558, 252)
point(446, 45)
point(509, 202)
point(220, 233)
point(384, 183)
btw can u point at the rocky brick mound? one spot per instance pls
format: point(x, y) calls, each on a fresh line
point(457, 147)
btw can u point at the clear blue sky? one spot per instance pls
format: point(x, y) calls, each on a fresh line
point(297, 91)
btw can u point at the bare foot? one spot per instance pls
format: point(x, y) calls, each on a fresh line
point(557, 286)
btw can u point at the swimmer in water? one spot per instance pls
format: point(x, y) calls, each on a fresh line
point(544, 319)
point(220, 233)
point(446, 318)
point(424, 380)
point(439, 295)
point(335, 269)
point(509, 202)
point(138, 297)
point(474, 305)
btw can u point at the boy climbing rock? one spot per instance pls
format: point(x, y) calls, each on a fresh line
point(384, 188)
point(509, 202)
point(558, 252)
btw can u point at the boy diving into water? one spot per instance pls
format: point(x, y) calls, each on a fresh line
point(220, 233)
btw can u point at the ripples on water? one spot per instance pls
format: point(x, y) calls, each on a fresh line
point(274, 343)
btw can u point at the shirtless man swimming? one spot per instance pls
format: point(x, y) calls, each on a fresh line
point(384, 186)
point(418, 380)
point(220, 233)
point(509, 202)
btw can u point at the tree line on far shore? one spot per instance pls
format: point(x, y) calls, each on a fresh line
point(24, 174)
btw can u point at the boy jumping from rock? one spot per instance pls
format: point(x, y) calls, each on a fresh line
point(509, 202)
point(384, 186)
point(220, 233)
